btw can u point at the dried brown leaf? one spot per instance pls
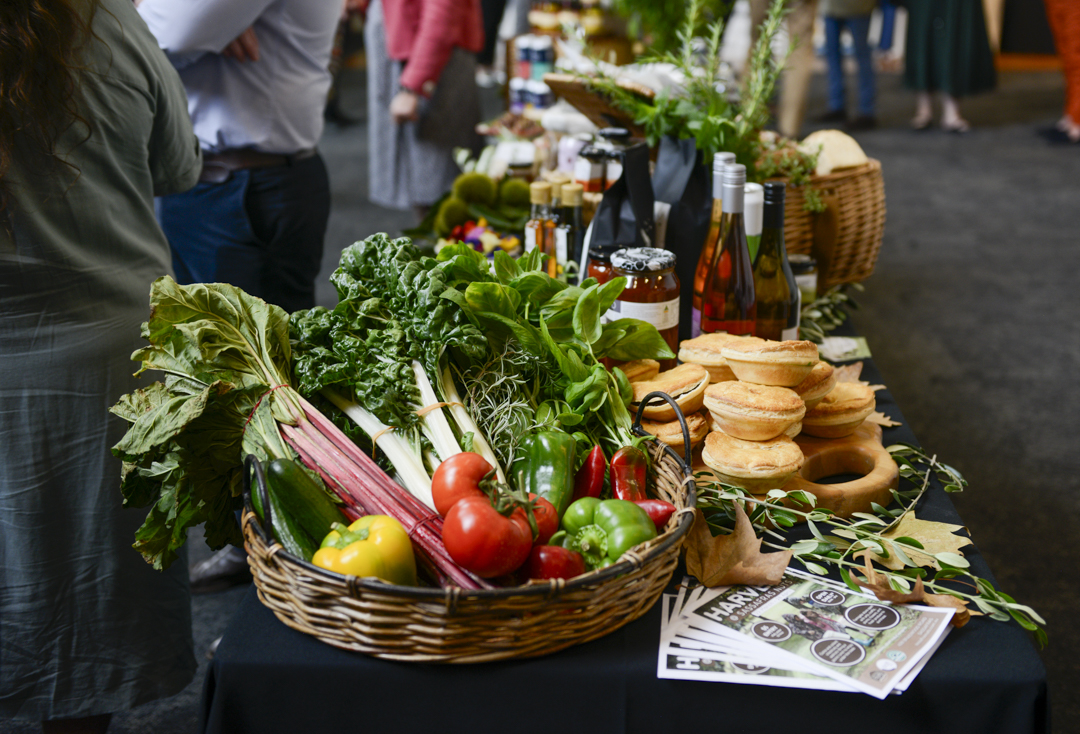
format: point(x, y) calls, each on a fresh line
point(849, 372)
point(732, 559)
point(936, 537)
point(881, 419)
point(918, 595)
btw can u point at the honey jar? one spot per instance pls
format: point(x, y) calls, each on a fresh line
point(651, 293)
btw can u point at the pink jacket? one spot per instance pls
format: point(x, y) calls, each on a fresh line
point(423, 33)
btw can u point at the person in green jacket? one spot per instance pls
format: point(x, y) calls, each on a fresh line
point(947, 51)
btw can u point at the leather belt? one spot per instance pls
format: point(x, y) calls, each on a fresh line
point(218, 167)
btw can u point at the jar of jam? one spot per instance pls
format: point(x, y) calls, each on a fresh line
point(651, 293)
point(600, 263)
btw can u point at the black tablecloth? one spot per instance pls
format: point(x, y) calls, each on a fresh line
point(266, 677)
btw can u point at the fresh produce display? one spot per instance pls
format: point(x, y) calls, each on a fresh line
point(374, 408)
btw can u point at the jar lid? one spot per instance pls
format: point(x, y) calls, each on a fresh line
point(643, 259)
point(801, 264)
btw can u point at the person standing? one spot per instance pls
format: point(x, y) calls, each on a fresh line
point(795, 80)
point(257, 75)
point(948, 52)
point(1064, 17)
point(422, 96)
point(93, 124)
point(855, 16)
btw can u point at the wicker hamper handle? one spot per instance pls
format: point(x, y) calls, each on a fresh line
point(653, 398)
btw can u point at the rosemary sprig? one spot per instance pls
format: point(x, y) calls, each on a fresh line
point(865, 532)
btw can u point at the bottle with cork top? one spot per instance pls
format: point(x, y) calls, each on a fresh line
point(540, 229)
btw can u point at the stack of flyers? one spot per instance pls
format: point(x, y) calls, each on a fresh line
point(805, 632)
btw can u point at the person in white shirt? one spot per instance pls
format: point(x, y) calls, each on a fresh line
point(256, 74)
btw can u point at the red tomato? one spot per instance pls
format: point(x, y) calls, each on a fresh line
point(553, 562)
point(481, 540)
point(458, 477)
point(547, 519)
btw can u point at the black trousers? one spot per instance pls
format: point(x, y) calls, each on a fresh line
point(262, 231)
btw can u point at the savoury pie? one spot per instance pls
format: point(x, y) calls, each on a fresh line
point(841, 411)
point(640, 369)
point(818, 383)
point(766, 362)
point(671, 432)
point(754, 465)
point(705, 350)
point(685, 384)
point(753, 412)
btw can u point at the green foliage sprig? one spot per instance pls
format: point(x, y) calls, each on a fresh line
point(707, 110)
point(826, 312)
point(835, 541)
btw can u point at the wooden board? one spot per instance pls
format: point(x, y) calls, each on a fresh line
point(860, 453)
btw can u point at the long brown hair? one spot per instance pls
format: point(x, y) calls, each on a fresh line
point(40, 48)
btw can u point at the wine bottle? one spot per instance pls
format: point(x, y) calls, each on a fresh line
point(778, 299)
point(705, 258)
point(728, 301)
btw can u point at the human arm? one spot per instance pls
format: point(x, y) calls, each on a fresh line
point(186, 27)
point(433, 46)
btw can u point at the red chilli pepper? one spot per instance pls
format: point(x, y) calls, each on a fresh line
point(589, 480)
point(658, 511)
point(629, 467)
point(554, 562)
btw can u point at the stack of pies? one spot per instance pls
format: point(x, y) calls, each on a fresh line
point(745, 399)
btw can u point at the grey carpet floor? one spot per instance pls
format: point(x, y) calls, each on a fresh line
point(972, 316)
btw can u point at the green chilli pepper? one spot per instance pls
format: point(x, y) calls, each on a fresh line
point(545, 467)
point(602, 530)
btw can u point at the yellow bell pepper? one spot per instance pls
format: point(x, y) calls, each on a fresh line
point(374, 545)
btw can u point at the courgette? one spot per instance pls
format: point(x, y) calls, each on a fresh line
point(293, 538)
point(302, 498)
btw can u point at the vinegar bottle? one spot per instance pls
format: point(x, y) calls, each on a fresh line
point(727, 301)
point(705, 259)
point(778, 299)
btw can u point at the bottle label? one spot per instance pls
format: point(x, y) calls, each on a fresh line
point(560, 245)
point(789, 334)
point(664, 315)
point(695, 323)
point(530, 239)
point(792, 332)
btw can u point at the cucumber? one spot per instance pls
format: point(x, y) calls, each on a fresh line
point(304, 500)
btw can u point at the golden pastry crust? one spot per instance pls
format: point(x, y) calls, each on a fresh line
point(754, 465)
point(841, 411)
point(640, 369)
point(705, 350)
point(670, 432)
point(818, 383)
point(753, 412)
point(765, 362)
point(686, 384)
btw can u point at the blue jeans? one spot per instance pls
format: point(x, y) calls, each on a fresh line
point(262, 231)
point(860, 28)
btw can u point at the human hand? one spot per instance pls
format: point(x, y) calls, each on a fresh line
point(244, 47)
point(404, 107)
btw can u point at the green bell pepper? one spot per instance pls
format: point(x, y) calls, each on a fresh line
point(545, 467)
point(602, 530)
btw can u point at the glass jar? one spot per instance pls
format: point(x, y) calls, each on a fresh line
point(651, 293)
point(804, 268)
point(600, 264)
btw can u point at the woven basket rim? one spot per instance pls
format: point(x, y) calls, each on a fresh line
point(666, 540)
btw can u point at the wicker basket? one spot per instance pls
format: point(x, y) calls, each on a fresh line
point(846, 237)
point(455, 626)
